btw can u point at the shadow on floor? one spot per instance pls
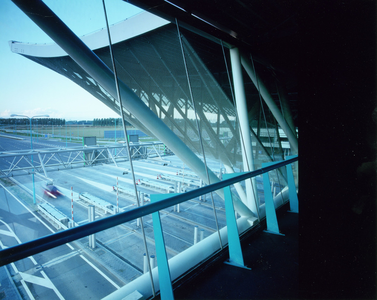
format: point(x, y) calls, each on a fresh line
point(273, 260)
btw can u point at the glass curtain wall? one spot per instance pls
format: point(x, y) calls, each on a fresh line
point(184, 80)
point(92, 267)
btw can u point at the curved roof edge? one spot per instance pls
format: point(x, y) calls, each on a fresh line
point(124, 30)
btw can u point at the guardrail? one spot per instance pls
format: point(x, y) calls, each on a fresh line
point(56, 218)
point(97, 202)
point(33, 247)
point(186, 181)
point(156, 185)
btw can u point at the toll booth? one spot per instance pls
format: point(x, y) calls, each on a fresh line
point(89, 141)
point(133, 138)
point(90, 155)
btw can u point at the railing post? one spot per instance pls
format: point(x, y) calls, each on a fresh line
point(145, 265)
point(195, 234)
point(293, 200)
point(271, 219)
point(201, 235)
point(166, 288)
point(200, 185)
point(72, 222)
point(91, 217)
point(152, 261)
point(117, 209)
point(235, 252)
point(142, 195)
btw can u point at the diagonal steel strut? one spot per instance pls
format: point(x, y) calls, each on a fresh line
point(42, 16)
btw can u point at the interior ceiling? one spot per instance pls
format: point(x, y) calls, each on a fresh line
point(266, 29)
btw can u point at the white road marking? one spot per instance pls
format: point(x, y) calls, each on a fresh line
point(53, 286)
point(6, 232)
point(46, 282)
point(104, 187)
point(119, 237)
point(159, 171)
point(27, 290)
point(123, 208)
point(100, 272)
point(144, 175)
point(33, 214)
point(60, 259)
point(119, 178)
point(17, 239)
point(36, 280)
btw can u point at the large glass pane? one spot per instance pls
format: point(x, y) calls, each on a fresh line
point(77, 152)
point(77, 160)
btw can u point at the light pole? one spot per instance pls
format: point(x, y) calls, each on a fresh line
point(115, 135)
point(31, 144)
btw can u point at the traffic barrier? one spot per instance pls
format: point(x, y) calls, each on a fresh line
point(54, 216)
point(97, 202)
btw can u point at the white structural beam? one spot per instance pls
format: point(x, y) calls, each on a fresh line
point(144, 22)
point(41, 15)
point(245, 137)
point(270, 102)
point(285, 107)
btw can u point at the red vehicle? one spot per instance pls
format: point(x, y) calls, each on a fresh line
point(51, 191)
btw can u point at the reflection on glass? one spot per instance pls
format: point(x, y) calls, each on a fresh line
point(89, 157)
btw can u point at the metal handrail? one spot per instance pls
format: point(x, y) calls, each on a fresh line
point(33, 247)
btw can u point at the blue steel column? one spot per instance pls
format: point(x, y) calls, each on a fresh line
point(41, 15)
point(235, 251)
point(164, 278)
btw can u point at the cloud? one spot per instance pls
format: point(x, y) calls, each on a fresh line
point(52, 113)
point(5, 113)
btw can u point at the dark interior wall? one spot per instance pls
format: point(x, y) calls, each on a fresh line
point(337, 88)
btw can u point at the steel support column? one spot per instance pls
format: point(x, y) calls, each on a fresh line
point(270, 102)
point(285, 108)
point(42, 165)
point(112, 157)
point(245, 138)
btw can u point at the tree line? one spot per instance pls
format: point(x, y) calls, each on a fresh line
point(39, 121)
point(109, 122)
point(61, 122)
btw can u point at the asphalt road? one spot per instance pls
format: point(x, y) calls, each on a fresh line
point(76, 271)
point(53, 274)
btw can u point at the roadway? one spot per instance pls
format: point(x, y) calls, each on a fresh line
point(75, 271)
point(49, 275)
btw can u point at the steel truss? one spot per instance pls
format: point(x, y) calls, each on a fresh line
point(16, 163)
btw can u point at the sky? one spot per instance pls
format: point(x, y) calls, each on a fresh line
point(30, 89)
